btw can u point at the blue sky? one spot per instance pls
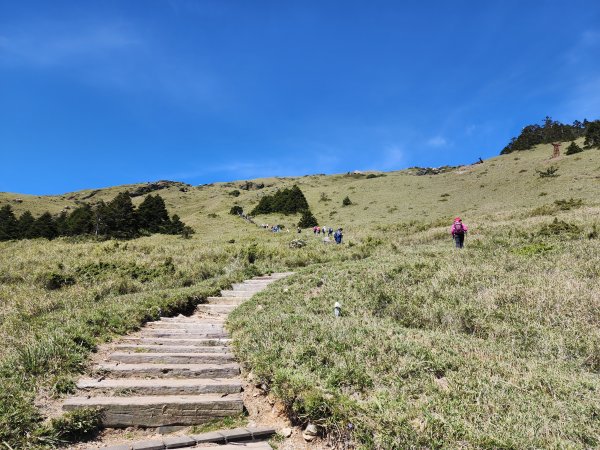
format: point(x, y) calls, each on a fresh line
point(95, 94)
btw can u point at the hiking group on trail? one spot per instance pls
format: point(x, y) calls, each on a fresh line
point(328, 231)
point(458, 231)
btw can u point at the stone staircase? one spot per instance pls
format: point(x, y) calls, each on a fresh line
point(176, 371)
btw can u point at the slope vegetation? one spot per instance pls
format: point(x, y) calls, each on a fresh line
point(495, 346)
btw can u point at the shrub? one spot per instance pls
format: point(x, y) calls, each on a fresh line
point(73, 426)
point(573, 148)
point(236, 210)
point(566, 205)
point(53, 280)
point(346, 201)
point(549, 172)
point(560, 228)
point(234, 193)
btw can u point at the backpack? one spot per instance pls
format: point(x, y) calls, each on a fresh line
point(458, 228)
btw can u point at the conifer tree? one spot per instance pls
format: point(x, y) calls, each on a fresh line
point(25, 225)
point(8, 224)
point(121, 220)
point(44, 226)
point(80, 221)
point(60, 223)
point(152, 214)
point(592, 134)
point(307, 220)
point(573, 148)
point(286, 201)
point(101, 214)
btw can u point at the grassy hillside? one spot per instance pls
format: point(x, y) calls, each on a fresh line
point(494, 346)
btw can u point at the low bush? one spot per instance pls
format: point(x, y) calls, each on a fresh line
point(54, 280)
point(573, 148)
point(560, 228)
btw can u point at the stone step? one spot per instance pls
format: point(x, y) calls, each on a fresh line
point(161, 386)
point(172, 358)
point(243, 287)
point(273, 277)
point(177, 340)
point(197, 325)
point(190, 319)
point(158, 410)
point(239, 446)
point(148, 370)
point(153, 348)
point(257, 283)
point(242, 294)
point(219, 308)
point(183, 334)
point(225, 300)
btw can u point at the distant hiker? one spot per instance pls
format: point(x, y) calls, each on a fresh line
point(458, 231)
point(315, 229)
point(330, 231)
point(338, 235)
point(299, 230)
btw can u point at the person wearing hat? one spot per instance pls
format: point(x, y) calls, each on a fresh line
point(458, 231)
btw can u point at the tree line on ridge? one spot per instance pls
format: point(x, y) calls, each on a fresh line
point(554, 131)
point(118, 218)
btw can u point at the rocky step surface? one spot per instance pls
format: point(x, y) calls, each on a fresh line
point(160, 410)
point(160, 386)
point(166, 348)
point(179, 340)
point(175, 371)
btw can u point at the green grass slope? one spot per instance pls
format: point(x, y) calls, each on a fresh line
point(495, 346)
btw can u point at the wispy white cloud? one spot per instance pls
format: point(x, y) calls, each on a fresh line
point(54, 44)
point(583, 101)
point(110, 54)
point(393, 157)
point(581, 85)
point(437, 141)
point(585, 48)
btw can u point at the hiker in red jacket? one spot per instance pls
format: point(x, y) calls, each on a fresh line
point(458, 231)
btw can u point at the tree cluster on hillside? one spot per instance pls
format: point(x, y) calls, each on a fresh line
point(554, 131)
point(118, 218)
point(286, 201)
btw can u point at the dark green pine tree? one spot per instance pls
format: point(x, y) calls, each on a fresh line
point(573, 148)
point(25, 225)
point(121, 220)
point(152, 214)
point(307, 220)
point(100, 219)
point(44, 226)
point(8, 224)
point(286, 201)
point(80, 221)
point(592, 134)
point(176, 226)
point(61, 224)
point(264, 206)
